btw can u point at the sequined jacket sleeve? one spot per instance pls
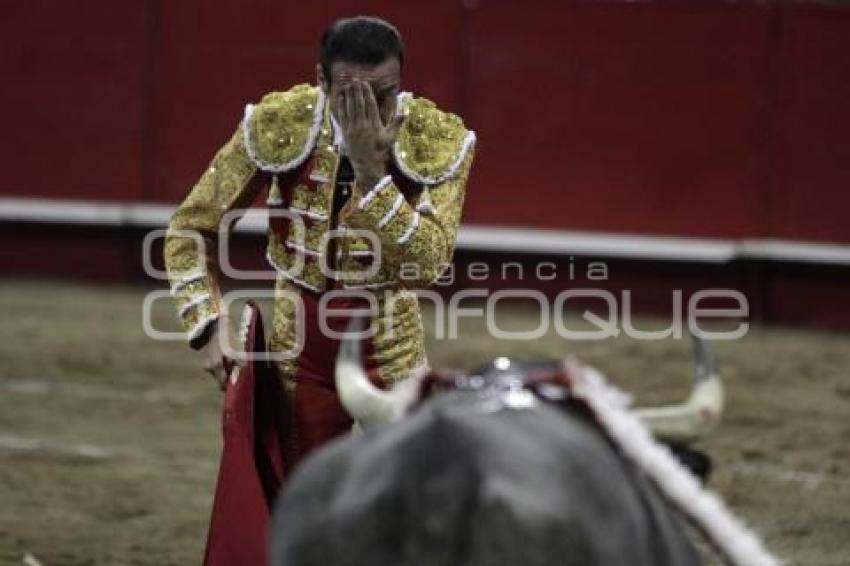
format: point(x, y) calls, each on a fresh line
point(231, 181)
point(417, 239)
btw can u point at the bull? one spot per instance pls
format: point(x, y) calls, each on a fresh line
point(532, 464)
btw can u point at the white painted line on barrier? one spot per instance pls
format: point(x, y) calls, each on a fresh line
point(793, 251)
point(470, 237)
point(563, 242)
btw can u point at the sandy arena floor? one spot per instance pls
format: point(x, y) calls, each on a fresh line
point(109, 440)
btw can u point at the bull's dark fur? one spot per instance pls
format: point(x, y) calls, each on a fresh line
point(464, 482)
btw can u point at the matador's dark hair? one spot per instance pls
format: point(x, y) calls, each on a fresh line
point(364, 40)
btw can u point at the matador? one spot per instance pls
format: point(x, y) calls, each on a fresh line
point(364, 186)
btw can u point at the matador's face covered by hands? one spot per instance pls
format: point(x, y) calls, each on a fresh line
point(383, 79)
point(363, 102)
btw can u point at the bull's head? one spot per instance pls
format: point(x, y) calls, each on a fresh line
point(681, 424)
point(583, 392)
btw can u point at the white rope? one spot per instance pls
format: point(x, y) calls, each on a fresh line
point(739, 545)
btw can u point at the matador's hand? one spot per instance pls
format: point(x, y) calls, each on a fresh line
point(367, 139)
point(213, 357)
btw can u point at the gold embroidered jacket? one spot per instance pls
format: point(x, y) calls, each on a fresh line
point(399, 234)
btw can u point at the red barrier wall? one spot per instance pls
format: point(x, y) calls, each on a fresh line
point(808, 150)
point(72, 103)
point(624, 118)
point(694, 119)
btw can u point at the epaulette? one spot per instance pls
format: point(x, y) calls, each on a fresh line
point(431, 144)
point(281, 130)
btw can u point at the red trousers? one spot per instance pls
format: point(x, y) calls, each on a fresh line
point(317, 415)
point(268, 429)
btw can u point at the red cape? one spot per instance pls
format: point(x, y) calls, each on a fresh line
point(251, 470)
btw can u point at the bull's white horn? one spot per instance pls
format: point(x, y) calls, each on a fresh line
point(364, 402)
point(691, 420)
